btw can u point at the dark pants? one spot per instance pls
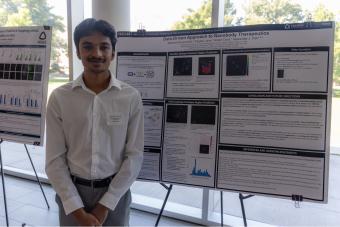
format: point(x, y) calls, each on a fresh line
point(90, 197)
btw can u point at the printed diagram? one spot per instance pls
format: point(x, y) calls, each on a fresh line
point(21, 64)
point(22, 55)
point(20, 100)
point(143, 74)
point(17, 101)
point(196, 171)
point(143, 71)
point(152, 117)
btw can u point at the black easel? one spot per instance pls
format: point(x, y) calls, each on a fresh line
point(297, 199)
point(3, 181)
point(168, 188)
point(36, 175)
point(242, 197)
point(221, 192)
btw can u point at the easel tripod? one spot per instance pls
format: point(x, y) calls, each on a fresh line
point(3, 181)
point(241, 198)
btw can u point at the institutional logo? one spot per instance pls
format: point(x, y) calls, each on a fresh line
point(42, 36)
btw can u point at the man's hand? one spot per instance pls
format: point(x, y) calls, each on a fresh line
point(85, 219)
point(100, 212)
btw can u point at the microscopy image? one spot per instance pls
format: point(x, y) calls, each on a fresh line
point(203, 115)
point(237, 65)
point(177, 114)
point(182, 66)
point(206, 66)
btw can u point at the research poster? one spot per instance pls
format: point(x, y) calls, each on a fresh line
point(243, 108)
point(24, 65)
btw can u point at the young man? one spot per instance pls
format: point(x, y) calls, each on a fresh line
point(95, 135)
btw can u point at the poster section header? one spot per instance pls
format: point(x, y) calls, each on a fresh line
point(236, 30)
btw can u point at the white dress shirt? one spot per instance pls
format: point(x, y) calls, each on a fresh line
point(94, 136)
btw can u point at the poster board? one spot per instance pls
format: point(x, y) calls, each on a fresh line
point(244, 108)
point(24, 65)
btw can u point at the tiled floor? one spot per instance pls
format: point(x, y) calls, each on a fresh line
point(26, 205)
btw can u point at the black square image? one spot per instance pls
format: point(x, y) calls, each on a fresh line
point(6, 75)
point(24, 75)
point(18, 67)
point(13, 67)
point(177, 114)
point(37, 76)
point(203, 115)
point(18, 75)
point(30, 68)
point(204, 149)
point(38, 68)
point(12, 75)
point(182, 67)
point(30, 76)
point(7, 67)
point(280, 73)
point(24, 68)
point(2, 67)
point(206, 66)
point(237, 65)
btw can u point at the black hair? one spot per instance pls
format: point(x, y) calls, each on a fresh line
point(91, 25)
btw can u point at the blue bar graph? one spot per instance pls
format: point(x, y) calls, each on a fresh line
point(199, 172)
point(32, 103)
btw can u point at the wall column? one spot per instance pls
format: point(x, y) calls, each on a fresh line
point(116, 12)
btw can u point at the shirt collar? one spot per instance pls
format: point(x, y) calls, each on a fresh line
point(79, 82)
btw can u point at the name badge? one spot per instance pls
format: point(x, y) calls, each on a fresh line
point(115, 119)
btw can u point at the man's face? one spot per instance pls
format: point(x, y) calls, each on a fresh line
point(95, 52)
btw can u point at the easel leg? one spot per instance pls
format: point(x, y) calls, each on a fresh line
point(36, 175)
point(241, 197)
point(3, 185)
point(164, 203)
point(221, 208)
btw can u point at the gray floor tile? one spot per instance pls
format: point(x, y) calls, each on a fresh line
point(140, 218)
point(20, 182)
point(10, 157)
point(11, 205)
point(185, 195)
point(11, 222)
point(37, 199)
point(13, 191)
point(26, 165)
point(35, 216)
